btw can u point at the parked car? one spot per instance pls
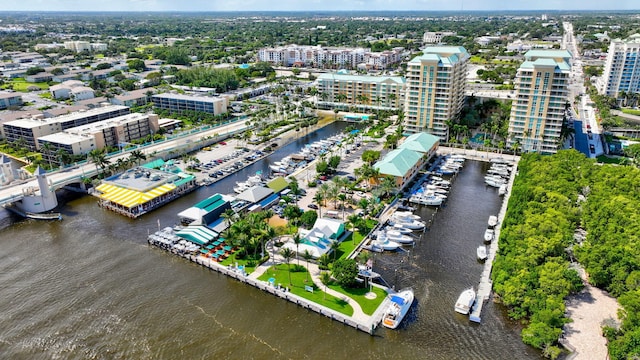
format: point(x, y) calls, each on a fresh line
point(313, 206)
point(223, 143)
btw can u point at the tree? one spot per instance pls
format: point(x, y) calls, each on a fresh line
point(287, 254)
point(98, 157)
point(370, 156)
point(136, 156)
point(345, 272)
point(335, 246)
point(307, 257)
point(136, 64)
point(46, 150)
point(318, 198)
point(228, 215)
point(308, 218)
point(325, 278)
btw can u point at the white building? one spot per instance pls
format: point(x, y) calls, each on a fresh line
point(622, 67)
point(77, 46)
point(317, 56)
point(71, 89)
point(436, 83)
point(435, 37)
point(538, 110)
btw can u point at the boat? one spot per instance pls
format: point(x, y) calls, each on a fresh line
point(413, 224)
point(494, 182)
point(493, 221)
point(405, 215)
point(502, 190)
point(482, 253)
point(465, 301)
point(400, 228)
point(400, 304)
point(426, 200)
point(488, 235)
point(399, 237)
point(384, 243)
point(366, 272)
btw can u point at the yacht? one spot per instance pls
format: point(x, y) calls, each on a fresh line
point(400, 304)
point(488, 235)
point(399, 237)
point(409, 224)
point(465, 301)
point(482, 253)
point(384, 243)
point(495, 182)
point(430, 200)
point(405, 215)
point(400, 229)
point(366, 272)
point(493, 221)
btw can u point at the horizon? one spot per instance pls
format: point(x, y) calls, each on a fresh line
point(199, 6)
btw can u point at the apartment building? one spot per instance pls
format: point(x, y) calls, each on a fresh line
point(112, 132)
point(537, 111)
point(330, 57)
point(77, 46)
point(435, 37)
point(622, 67)
point(436, 82)
point(179, 103)
point(342, 90)
point(29, 130)
point(8, 99)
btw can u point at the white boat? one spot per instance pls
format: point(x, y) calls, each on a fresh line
point(465, 301)
point(413, 224)
point(399, 237)
point(405, 215)
point(429, 200)
point(400, 304)
point(482, 252)
point(493, 221)
point(488, 235)
point(400, 229)
point(502, 190)
point(384, 243)
point(494, 182)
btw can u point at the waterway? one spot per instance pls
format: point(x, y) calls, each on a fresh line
point(90, 287)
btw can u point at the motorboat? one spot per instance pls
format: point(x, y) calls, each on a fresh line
point(494, 182)
point(400, 229)
point(488, 235)
point(398, 308)
point(405, 215)
point(430, 200)
point(409, 224)
point(384, 243)
point(465, 301)
point(493, 221)
point(502, 190)
point(482, 253)
point(399, 237)
point(366, 272)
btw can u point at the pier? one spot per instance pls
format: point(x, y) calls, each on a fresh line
point(359, 320)
point(485, 286)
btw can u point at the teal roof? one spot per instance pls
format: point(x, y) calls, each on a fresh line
point(420, 142)
point(445, 55)
point(155, 164)
point(211, 203)
point(546, 62)
point(362, 78)
point(553, 54)
point(398, 162)
point(184, 180)
point(278, 184)
point(198, 234)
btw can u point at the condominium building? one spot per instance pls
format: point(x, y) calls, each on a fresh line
point(77, 46)
point(341, 90)
point(317, 56)
point(541, 94)
point(179, 103)
point(435, 37)
point(622, 68)
point(29, 130)
point(435, 89)
point(114, 132)
point(8, 100)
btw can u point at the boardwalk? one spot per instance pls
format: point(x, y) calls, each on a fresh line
point(485, 286)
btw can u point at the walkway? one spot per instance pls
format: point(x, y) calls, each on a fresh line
point(314, 271)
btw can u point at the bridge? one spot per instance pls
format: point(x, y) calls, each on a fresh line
point(172, 147)
point(491, 93)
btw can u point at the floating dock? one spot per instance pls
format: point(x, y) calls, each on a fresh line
point(485, 286)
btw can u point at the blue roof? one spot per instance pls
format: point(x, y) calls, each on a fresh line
point(269, 200)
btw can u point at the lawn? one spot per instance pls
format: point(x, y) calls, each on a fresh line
point(20, 84)
point(612, 160)
point(368, 306)
point(299, 281)
point(631, 111)
point(231, 260)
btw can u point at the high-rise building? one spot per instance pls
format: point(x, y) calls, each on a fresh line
point(541, 94)
point(435, 89)
point(622, 69)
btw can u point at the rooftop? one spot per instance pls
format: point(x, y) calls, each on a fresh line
point(398, 162)
point(33, 123)
point(362, 78)
point(210, 99)
point(420, 142)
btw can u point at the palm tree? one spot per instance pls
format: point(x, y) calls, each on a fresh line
point(335, 245)
point(325, 278)
point(342, 197)
point(46, 150)
point(228, 215)
point(287, 254)
point(98, 157)
point(297, 239)
point(307, 257)
point(318, 199)
point(136, 156)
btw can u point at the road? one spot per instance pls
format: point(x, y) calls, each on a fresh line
point(12, 193)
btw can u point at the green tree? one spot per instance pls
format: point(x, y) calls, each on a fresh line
point(345, 272)
point(287, 254)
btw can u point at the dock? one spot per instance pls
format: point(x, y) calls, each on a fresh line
point(485, 286)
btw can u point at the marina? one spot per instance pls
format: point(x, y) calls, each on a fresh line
point(217, 306)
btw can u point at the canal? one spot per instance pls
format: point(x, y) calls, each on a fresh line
point(90, 287)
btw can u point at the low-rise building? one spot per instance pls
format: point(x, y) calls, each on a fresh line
point(178, 103)
point(342, 90)
point(435, 37)
point(64, 90)
point(9, 100)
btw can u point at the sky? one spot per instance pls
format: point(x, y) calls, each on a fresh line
point(312, 5)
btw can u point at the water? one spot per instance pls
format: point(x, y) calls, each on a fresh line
point(90, 287)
